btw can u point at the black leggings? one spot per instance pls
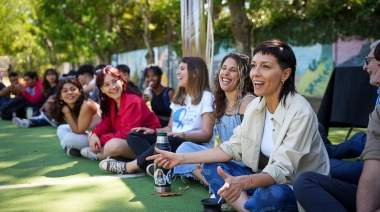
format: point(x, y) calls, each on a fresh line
point(143, 146)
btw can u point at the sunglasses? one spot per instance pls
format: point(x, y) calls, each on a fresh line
point(367, 59)
point(99, 70)
point(243, 56)
point(66, 77)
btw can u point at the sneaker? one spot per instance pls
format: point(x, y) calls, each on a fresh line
point(150, 169)
point(113, 166)
point(73, 152)
point(48, 119)
point(16, 121)
point(23, 123)
point(86, 152)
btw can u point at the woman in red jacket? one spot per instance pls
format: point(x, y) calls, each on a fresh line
point(122, 110)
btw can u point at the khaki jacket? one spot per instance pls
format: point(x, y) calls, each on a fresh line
point(298, 146)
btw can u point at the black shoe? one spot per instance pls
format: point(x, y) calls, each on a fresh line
point(323, 134)
point(73, 152)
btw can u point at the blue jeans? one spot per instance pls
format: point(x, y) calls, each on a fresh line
point(346, 171)
point(316, 192)
point(186, 169)
point(275, 197)
point(351, 148)
point(38, 122)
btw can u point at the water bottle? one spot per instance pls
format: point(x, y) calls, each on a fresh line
point(162, 176)
point(29, 112)
point(148, 91)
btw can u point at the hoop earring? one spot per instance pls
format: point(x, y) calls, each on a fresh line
point(102, 98)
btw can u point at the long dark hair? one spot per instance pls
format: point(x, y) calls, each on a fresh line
point(197, 81)
point(244, 84)
point(46, 88)
point(58, 103)
point(285, 58)
point(104, 99)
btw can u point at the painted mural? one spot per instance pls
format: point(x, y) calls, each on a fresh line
point(315, 64)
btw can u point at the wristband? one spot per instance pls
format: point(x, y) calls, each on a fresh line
point(183, 135)
point(155, 132)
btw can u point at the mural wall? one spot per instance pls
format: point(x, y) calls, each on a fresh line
point(314, 63)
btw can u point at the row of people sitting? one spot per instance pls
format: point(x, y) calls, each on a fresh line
point(277, 140)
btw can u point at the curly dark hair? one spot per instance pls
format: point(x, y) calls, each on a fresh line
point(46, 88)
point(243, 86)
point(104, 99)
point(57, 114)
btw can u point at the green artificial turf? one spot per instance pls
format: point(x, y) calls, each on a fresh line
point(37, 175)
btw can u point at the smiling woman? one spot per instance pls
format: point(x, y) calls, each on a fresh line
point(122, 110)
point(277, 140)
point(76, 113)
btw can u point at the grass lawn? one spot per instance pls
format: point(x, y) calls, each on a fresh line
point(37, 175)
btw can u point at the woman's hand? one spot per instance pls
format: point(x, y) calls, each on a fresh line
point(94, 143)
point(165, 159)
point(145, 130)
point(232, 188)
point(65, 109)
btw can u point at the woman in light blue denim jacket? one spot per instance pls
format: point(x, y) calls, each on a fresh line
point(233, 90)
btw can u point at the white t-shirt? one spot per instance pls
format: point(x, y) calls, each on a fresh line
point(188, 118)
point(267, 143)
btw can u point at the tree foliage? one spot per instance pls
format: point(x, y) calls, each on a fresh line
point(41, 33)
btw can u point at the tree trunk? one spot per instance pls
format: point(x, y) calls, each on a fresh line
point(146, 14)
point(241, 27)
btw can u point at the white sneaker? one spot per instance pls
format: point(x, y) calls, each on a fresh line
point(113, 166)
point(23, 123)
point(16, 121)
point(150, 169)
point(86, 152)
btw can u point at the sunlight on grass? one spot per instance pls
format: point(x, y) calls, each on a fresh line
point(91, 196)
point(337, 135)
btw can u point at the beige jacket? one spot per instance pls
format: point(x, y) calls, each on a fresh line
point(298, 146)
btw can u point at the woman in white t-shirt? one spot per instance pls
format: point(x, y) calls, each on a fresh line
point(190, 119)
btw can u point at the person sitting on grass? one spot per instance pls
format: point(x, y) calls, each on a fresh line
point(49, 83)
point(161, 96)
point(233, 90)
point(125, 74)
point(74, 107)
point(317, 192)
point(277, 140)
point(190, 119)
point(122, 110)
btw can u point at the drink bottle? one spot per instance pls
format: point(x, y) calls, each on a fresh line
point(162, 176)
point(29, 112)
point(148, 91)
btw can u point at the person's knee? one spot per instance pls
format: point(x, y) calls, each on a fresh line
point(275, 197)
point(303, 180)
point(185, 147)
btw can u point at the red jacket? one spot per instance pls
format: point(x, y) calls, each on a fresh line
point(37, 97)
point(133, 112)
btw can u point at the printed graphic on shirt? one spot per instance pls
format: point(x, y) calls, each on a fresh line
point(184, 117)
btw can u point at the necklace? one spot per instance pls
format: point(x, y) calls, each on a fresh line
point(229, 108)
